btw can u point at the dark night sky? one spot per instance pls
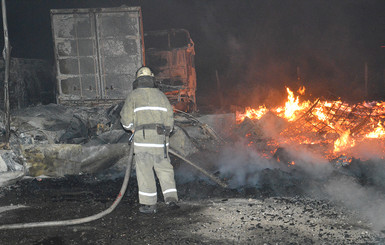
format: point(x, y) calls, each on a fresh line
point(256, 46)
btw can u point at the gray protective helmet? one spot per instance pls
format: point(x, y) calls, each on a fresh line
point(144, 78)
point(144, 71)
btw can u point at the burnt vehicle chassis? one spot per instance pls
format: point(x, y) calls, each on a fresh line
point(170, 54)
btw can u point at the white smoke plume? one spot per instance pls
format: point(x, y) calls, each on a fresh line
point(242, 165)
point(368, 201)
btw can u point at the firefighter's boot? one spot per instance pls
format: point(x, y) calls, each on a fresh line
point(148, 209)
point(172, 205)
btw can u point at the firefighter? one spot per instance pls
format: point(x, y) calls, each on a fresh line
point(148, 114)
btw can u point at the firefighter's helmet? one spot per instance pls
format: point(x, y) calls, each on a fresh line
point(144, 71)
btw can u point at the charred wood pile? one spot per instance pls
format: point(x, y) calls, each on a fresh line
point(332, 129)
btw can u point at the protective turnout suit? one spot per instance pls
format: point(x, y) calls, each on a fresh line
point(149, 114)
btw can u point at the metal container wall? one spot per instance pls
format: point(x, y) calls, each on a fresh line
point(97, 53)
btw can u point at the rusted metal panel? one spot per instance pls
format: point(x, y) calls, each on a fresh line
point(170, 53)
point(97, 53)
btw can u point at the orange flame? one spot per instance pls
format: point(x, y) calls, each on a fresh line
point(377, 133)
point(251, 113)
point(292, 106)
point(323, 120)
point(301, 90)
point(344, 142)
point(289, 111)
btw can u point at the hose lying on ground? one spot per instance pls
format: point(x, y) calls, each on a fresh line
point(212, 177)
point(114, 204)
point(85, 219)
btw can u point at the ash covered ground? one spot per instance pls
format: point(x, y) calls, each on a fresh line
point(265, 203)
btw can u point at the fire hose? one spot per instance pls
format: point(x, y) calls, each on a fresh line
point(212, 177)
point(85, 219)
point(114, 204)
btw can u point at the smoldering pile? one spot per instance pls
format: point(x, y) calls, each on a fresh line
point(257, 161)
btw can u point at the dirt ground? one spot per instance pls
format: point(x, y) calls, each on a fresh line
point(280, 209)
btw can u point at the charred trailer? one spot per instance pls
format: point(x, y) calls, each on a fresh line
point(97, 52)
point(170, 54)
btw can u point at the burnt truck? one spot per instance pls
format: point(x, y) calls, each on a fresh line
point(171, 54)
point(98, 50)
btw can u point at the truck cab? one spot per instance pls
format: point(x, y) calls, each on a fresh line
point(170, 54)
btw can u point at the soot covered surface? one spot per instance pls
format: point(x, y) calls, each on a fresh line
point(282, 206)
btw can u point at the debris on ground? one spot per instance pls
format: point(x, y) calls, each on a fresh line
point(68, 162)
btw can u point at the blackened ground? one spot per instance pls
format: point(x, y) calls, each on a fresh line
point(277, 211)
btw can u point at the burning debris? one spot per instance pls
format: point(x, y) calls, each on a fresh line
point(268, 176)
point(331, 127)
point(57, 140)
point(275, 160)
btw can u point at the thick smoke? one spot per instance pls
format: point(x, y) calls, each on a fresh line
point(358, 186)
point(368, 201)
point(310, 163)
point(241, 165)
point(369, 149)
